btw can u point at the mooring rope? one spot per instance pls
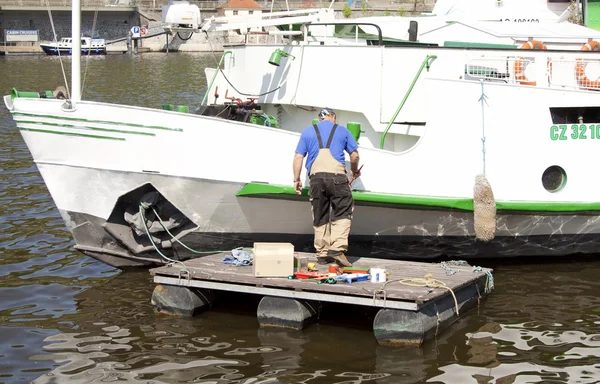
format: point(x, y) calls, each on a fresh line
point(483, 100)
point(489, 280)
point(87, 59)
point(451, 271)
point(162, 224)
point(484, 203)
point(143, 207)
point(58, 49)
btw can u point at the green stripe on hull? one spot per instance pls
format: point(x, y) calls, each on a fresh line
point(72, 134)
point(463, 204)
point(85, 127)
point(99, 121)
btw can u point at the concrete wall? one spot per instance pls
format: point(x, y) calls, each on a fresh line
point(115, 23)
point(197, 43)
point(109, 24)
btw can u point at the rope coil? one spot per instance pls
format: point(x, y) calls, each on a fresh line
point(427, 281)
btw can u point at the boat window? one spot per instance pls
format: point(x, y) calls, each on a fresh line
point(82, 42)
point(575, 115)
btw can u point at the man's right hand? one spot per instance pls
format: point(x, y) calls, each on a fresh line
point(298, 187)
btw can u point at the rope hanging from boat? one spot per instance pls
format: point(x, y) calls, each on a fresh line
point(143, 208)
point(489, 280)
point(87, 59)
point(483, 100)
point(57, 49)
point(484, 204)
point(162, 224)
point(226, 79)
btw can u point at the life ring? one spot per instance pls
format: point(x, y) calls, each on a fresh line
point(582, 79)
point(520, 65)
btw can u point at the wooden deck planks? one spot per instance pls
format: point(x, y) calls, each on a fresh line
point(211, 268)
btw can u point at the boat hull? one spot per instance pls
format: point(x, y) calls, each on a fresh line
point(413, 204)
point(225, 220)
point(53, 51)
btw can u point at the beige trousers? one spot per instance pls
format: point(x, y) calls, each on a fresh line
point(332, 236)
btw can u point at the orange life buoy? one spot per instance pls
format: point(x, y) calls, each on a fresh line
point(520, 65)
point(582, 79)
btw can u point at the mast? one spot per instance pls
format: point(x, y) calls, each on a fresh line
point(76, 51)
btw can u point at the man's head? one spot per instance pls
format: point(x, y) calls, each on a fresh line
point(327, 114)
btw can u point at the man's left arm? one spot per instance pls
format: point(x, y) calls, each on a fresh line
point(298, 159)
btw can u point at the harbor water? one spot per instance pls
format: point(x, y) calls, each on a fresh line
point(65, 317)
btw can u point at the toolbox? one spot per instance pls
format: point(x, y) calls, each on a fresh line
point(273, 259)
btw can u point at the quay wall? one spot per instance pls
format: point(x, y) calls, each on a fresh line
point(115, 21)
point(109, 25)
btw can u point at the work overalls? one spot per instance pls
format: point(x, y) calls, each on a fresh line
point(331, 200)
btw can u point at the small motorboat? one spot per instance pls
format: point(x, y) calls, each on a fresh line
point(64, 46)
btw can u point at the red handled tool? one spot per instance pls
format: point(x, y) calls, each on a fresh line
point(353, 177)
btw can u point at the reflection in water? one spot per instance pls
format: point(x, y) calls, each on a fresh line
point(556, 336)
point(67, 318)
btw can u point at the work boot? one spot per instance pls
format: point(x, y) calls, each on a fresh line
point(340, 258)
point(322, 260)
point(342, 261)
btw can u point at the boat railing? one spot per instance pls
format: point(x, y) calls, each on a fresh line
point(543, 70)
point(357, 34)
point(571, 73)
point(491, 69)
point(424, 65)
point(516, 70)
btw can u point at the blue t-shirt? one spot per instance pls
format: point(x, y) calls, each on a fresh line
point(309, 144)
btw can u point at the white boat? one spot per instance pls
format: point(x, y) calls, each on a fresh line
point(434, 118)
point(65, 46)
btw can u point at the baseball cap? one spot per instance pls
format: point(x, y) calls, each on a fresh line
point(326, 111)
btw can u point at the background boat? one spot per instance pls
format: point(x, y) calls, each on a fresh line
point(65, 46)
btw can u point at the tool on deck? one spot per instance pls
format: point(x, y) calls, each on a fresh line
point(354, 277)
point(361, 270)
point(309, 275)
point(354, 178)
point(329, 280)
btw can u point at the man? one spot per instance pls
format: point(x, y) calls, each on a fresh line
point(330, 194)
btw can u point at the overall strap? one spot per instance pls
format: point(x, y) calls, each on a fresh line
point(330, 136)
point(318, 136)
